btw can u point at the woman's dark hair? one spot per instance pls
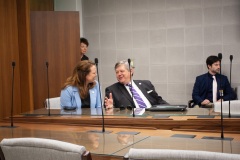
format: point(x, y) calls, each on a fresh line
point(84, 40)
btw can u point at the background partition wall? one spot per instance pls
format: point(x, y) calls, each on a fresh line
point(169, 40)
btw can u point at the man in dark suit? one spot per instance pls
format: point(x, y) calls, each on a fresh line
point(205, 92)
point(119, 94)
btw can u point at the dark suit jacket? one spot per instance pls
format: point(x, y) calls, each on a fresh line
point(122, 98)
point(200, 88)
point(84, 58)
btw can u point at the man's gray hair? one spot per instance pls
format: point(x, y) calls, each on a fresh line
point(125, 63)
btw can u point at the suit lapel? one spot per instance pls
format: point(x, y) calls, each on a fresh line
point(205, 85)
point(124, 91)
point(140, 85)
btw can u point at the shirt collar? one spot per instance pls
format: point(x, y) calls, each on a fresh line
point(211, 76)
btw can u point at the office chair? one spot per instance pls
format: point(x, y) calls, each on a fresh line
point(41, 149)
point(168, 154)
point(54, 103)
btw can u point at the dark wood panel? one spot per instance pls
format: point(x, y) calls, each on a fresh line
point(15, 45)
point(9, 52)
point(55, 38)
point(41, 5)
point(25, 55)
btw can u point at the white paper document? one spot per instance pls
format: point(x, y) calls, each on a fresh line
point(139, 111)
point(234, 107)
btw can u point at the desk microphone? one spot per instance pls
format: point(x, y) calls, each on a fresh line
point(129, 66)
point(48, 103)
point(221, 93)
point(11, 114)
point(231, 58)
point(13, 66)
point(103, 125)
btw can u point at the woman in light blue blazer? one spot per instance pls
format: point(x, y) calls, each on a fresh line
point(81, 90)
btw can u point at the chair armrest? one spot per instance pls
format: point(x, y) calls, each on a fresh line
point(190, 103)
point(86, 156)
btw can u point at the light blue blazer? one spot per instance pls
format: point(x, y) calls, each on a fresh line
point(70, 97)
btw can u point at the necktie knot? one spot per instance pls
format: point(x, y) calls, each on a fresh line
point(129, 85)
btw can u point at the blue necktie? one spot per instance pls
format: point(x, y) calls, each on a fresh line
point(137, 97)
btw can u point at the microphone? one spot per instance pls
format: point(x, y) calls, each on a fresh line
point(129, 66)
point(231, 58)
point(96, 61)
point(48, 103)
point(220, 56)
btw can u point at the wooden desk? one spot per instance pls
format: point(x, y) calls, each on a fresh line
point(183, 121)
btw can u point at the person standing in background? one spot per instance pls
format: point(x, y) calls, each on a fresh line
point(83, 48)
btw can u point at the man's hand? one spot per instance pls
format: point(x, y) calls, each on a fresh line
point(108, 101)
point(205, 102)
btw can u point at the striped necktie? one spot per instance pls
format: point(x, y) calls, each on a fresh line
point(137, 97)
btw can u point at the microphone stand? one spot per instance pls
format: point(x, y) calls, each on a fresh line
point(103, 124)
point(129, 66)
point(48, 103)
point(11, 114)
point(13, 66)
point(221, 93)
point(231, 58)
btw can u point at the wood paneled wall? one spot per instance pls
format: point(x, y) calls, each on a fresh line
point(55, 39)
point(9, 52)
point(42, 5)
point(15, 45)
point(25, 58)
